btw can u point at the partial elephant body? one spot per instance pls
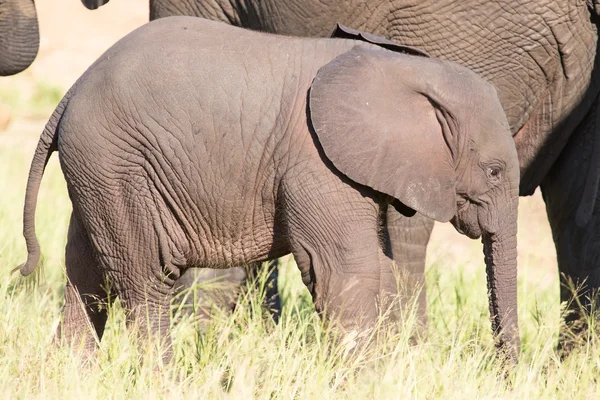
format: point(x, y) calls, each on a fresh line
point(229, 216)
point(190, 143)
point(19, 35)
point(207, 288)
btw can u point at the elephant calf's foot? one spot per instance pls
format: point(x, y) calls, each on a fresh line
point(82, 323)
point(78, 335)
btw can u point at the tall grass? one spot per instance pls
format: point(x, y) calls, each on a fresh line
point(245, 355)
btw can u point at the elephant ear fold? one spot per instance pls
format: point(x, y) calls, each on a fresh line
point(343, 32)
point(93, 4)
point(377, 126)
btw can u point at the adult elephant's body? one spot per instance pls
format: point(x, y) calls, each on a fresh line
point(19, 35)
point(541, 57)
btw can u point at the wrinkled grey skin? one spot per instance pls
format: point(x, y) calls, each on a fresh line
point(542, 58)
point(253, 146)
point(19, 35)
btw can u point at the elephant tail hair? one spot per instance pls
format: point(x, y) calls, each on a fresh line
point(46, 146)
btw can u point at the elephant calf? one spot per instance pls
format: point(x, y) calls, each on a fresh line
point(193, 143)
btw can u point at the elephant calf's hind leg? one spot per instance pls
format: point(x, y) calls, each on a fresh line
point(84, 313)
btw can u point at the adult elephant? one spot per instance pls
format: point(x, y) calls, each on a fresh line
point(542, 58)
point(19, 35)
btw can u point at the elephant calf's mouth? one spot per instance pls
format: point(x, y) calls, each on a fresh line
point(465, 221)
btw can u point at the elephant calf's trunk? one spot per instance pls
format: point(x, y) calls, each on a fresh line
point(500, 252)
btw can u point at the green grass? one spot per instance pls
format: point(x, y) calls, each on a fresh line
point(37, 99)
point(245, 355)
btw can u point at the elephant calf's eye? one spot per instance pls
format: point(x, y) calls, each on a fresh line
point(494, 173)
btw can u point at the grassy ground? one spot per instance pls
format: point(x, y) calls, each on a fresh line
point(245, 355)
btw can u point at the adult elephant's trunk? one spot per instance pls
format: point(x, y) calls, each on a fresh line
point(500, 250)
point(19, 35)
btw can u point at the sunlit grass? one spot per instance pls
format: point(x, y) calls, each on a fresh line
point(29, 99)
point(245, 355)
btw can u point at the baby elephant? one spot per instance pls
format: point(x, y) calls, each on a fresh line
point(193, 143)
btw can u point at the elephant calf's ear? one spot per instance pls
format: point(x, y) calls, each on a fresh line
point(379, 128)
point(344, 32)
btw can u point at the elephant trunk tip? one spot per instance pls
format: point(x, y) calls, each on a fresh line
point(27, 268)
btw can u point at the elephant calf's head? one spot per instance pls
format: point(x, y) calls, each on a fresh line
point(433, 135)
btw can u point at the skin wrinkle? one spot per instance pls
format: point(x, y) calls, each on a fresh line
point(133, 229)
point(304, 191)
point(330, 248)
point(307, 221)
point(241, 167)
point(141, 140)
point(267, 152)
point(173, 208)
point(206, 226)
point(253, 137)
point(96, 226)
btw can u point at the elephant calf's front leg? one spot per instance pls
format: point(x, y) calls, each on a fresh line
point(408, 242)
point(348, 276)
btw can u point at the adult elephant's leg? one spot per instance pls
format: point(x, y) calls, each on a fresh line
point(85, 311)
point(201, 289)
point(568, 189)
point(272, 299)
point(408, 241)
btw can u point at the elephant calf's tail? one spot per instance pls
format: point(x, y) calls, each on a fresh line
point(46, 146)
